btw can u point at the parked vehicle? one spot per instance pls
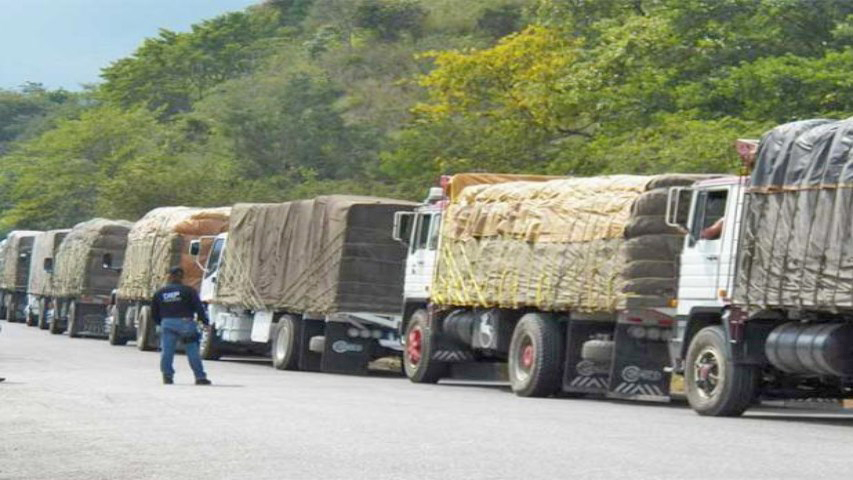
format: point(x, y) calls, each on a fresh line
point(39, 302)
point(766, 294)
point(15, 273)
point(315, 283)
point(156, 242)
point(569, 281)
point(81, 286)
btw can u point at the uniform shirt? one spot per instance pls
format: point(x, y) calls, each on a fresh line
point(176, 300)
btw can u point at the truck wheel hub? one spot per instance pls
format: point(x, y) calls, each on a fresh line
point(413, 345)
point(706, 371)
point(527, 356)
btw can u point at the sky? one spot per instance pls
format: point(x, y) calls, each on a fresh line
point(65, 43)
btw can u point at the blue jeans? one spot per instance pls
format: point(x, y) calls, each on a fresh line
point(172, 329)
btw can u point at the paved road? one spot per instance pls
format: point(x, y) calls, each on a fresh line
point(81, 409)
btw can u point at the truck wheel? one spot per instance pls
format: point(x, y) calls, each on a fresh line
point(418, 363)
point(55, 325)
point(536, 356)
point(144, 330)
point(32, 318)
point(284, 355)
point(208, 346)
point(42, 319)
point(114, 336)
point(12, 311)
point(716, 386)
point(73, 320)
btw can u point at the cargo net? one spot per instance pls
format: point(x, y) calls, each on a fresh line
point(160, 240)
point(79, 266)
point(46, 245)
point(14, 262)
point(795, 247)
point(331, 253)
point(583, 244)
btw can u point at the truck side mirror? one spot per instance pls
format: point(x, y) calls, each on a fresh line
point(673, 207)
point(48, 265)
point(195, 247)
point(108, 261)
point(403, 223)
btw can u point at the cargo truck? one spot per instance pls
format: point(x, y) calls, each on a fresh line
point(570, 282)
point(81, 286)
point(765, 299)
point(316, 284)
point(15, 273)
point(158, 241)
point(39, 301)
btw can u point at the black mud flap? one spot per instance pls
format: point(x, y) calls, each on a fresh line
point(345, 354)
point(584, 376)
point(449, 351)
point(309, 361)
point(641, 353)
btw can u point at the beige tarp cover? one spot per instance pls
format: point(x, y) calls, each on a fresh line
point(575, 243)
point(78, 268)
point(331, 253)
point(15, 267)
point(46, 246)
point(160, 240)
point(459, 181)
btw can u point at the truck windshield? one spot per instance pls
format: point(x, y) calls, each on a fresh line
point(213, 258)
point(422, 235)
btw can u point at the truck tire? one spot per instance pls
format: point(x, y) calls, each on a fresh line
point(74, 322)
point(42, 323)
point(285, 342)
point(114, 335)
point(12, 310)
point(32, 319)
point(209, 345)
point(598, 351)
point(418, 363)
point(145, 330)
point(716, 386)
point(55, 325)
point(536, 356)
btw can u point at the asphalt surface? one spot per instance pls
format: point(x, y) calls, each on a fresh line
point(82, 409)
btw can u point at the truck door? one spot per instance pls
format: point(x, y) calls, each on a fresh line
point(422, 255)
point(700, 280)
point(211, 271)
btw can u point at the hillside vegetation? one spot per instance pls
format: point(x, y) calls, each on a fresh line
point(294, 98)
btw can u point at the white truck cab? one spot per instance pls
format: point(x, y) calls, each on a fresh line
point(419, 230)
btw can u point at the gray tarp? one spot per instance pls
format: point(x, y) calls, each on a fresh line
point(160, 240)
point(17, 255)
point(78, 268)
point(46, 246)
point(795, 248)
point(332, 253)
point(569, 244)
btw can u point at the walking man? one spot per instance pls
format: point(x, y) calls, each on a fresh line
point(172, 309)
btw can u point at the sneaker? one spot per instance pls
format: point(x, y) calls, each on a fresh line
point(167, 380)
point(202, 381)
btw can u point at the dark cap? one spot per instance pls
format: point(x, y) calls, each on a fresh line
point(176, 271)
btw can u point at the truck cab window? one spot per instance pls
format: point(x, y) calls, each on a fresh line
point(213, 258)
point(423, 232)
point(708, 221)
point(433, 236)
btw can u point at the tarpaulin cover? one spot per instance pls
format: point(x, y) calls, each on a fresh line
point(17, 255)
point(46, 246)
point(329, 254)
point(459, 181)
point(576, 243)
point(161, 240)
point(79, 267)
point(795, 246)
